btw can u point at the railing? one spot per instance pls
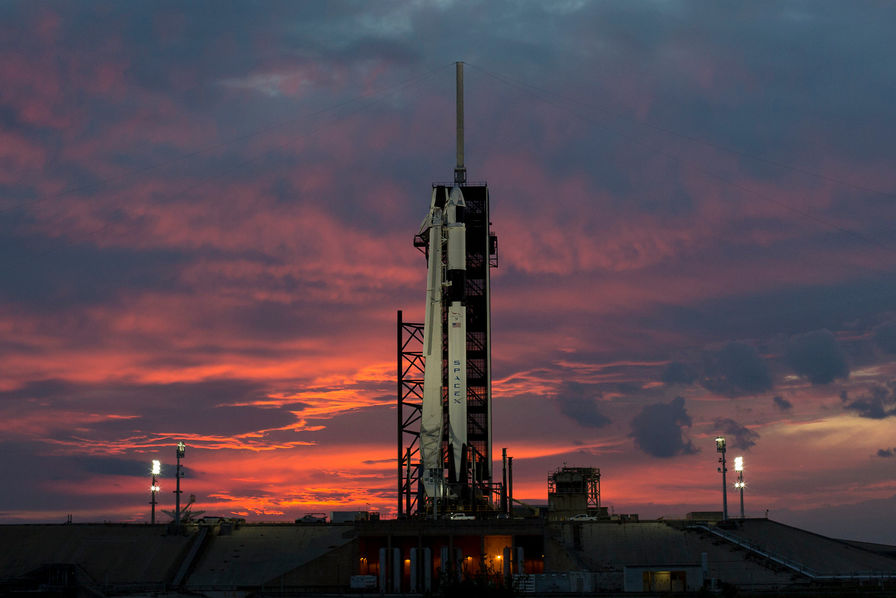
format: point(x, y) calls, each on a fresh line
point(191, 556)
point(450, 184)
point(789, 563)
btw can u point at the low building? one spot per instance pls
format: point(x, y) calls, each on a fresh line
point(662, 578)
point(413, 556)
point(574, 491)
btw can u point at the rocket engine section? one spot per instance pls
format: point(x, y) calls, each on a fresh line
point(446, 276)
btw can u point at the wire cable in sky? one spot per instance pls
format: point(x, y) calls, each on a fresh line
point(533, 89)
point(545, 96)
point(356, 105)
point(374, 96)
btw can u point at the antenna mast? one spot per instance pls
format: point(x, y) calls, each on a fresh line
point(460, 172)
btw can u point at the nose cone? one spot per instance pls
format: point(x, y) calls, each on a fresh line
point(456, 197)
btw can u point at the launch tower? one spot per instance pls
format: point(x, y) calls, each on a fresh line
point(444, 363)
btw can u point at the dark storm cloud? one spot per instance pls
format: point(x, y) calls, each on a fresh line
point(168, 39)
point(23, 460)
point(367, 425)
point(886, 453)
point(42, 272)
point(738, 436)
point(111, 465)
point(737, 369)
point(818, 356)
point(782, 403)
point(580, 405)
point(187, 407)
point(878, 403)
point(769, 312)
point(784, 36)
point(679, 373)
point(657, 429)
point(638, 44)
point(23, 457)
point(274, 321)
point(885, 336)
point(179, 394)
point(41, 389)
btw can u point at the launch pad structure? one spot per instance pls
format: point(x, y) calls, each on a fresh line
point(574, 491)
point(444, 363)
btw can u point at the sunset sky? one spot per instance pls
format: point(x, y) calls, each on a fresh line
point(206, 221)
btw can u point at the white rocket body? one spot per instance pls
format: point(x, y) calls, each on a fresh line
point(446, 277)
point(431, 416)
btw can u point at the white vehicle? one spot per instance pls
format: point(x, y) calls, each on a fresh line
point(583, 517)
point(461, 517)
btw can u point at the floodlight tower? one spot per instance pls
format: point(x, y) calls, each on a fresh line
point(720, 448)
point(739, 468)
point(154, 487)
point(181, 448)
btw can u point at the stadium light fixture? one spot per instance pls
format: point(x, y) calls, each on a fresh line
point(178, 474)
point(154, 488)
point(720, 447)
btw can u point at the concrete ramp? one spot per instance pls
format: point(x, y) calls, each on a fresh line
point(256, 554)
point(608, 546)
point(819, 556)
point(110, 554)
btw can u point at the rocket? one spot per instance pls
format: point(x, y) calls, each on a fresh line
point(446, 281)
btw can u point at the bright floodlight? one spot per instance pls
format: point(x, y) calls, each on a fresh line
point(181, 447)
point(720, 444)
point(738, 464)
point(155, 488)
point(156, 467)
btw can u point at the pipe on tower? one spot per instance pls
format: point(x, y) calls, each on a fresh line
point(510, 485)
